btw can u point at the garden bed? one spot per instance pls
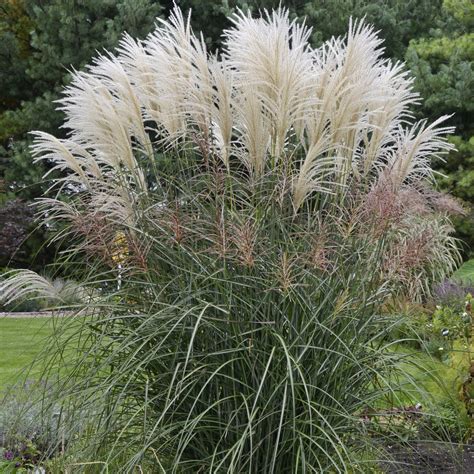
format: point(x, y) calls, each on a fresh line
point(436, 458)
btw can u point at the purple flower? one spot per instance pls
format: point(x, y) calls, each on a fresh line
point(8, 455)
point(451, 290)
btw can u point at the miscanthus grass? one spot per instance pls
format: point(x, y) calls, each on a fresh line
point(235, 221)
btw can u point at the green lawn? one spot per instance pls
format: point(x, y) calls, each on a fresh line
point(20, 342)
point(431, 376)
point(466, 272)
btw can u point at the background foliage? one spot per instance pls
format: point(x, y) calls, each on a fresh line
point(42, 40)
point(442, 63)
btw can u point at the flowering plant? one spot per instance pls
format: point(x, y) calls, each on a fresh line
point(23, 456)
point(251, 211)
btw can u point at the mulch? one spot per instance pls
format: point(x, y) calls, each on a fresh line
point(431, 458)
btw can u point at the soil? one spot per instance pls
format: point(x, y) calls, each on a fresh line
point(435, 458)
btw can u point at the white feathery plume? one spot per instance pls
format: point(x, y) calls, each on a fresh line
point(168, 56)
point(116, 201)
point(345, 75)
point(253, 128)
point(52, 210)
point(200, 92)
point(140, 68)
point(95, 121)
point(170, 70)
point(340, 110)
point(415, 148)
point(393, 96)
point(26, 283)
point(358, 74)
point(314, 172)
point(222, 112)
point(271, 56)
point(112, 74)
point(66, 155)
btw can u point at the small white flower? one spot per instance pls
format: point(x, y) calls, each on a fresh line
point(438, 306)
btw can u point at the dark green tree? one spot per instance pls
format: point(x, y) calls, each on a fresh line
point(41, 41)
point(443, 67)
point(64, 34)
point(15, 25)
point(399, 21)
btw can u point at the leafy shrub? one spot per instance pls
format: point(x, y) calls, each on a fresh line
point(22, 457)
point(434, 327)
point(437, 332)
point(250, 212)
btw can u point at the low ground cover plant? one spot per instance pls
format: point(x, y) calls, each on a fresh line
point(26, 430)
point(436, 337)
point(239, 220)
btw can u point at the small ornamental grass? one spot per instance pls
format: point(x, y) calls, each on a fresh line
point(236, 221)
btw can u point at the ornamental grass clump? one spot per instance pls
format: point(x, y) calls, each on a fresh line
point(228, 215)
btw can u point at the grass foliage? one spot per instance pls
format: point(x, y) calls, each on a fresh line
point(236, 222)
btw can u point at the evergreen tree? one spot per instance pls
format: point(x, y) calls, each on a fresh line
point(63, 35)
point(41, 41)
point(443, 67)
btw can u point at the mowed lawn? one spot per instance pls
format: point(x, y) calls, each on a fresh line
point(21, 340)
point(466, 272)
